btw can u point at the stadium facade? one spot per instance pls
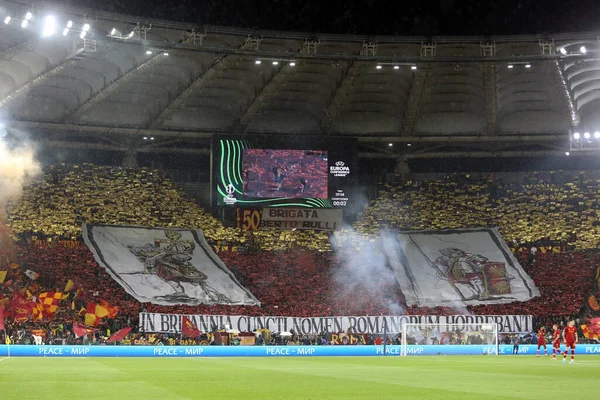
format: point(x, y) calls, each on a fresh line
point(89, 80)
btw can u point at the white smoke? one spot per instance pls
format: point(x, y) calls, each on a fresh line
point(365, 267)
point(17, 166)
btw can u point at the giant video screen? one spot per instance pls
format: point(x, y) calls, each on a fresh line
point(267, 172)
point(270, 174)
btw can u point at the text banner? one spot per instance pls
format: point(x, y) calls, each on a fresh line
point(289, 218)
point(171, 323)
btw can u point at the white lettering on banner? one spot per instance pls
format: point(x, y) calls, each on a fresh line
point(51, 351)
point(165, 351)
point(79, 351)
point(389, 350)
point(589, 350)
point(171, 323)
point(194, 352)
point(292, 218)
point(278, 351)
point(305, 351)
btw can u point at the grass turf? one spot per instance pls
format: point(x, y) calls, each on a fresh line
point(445, 377)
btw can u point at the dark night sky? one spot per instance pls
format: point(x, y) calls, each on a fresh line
point(416, 17)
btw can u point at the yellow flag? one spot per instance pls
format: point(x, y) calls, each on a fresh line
point(72, 305)
point(69, 286)
point(2, 276)
point(90, 319)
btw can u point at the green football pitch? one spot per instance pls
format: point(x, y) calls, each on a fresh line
point(482, 377)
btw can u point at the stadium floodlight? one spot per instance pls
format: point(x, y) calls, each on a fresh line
point(596, 135)
point(24, 23)
point(257, 62)
point(292, 64)
point(82, 35)
point(563, 51)
point(165, 53)
point(148, 52)
point(152, 138)
point(510, 66)
point(586, 135)
point(408, 144)
point(86, 27)
point(275, 62)
point(379, 67)
point(7, 20)
point(49, 26)
point(576, 136)
point(28, 16)
point(70, 24)
point(131, 34)
point(583, 50)
point(390, 144)
point(567, 153)
point(396, 67)
point(145, 137)
point(113, 32)
point(527, 65)
point(65, 31)
point(414, 67)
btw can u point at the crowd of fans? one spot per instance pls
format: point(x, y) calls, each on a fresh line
point(64, 197)
point(296, 273)
point(538, 210)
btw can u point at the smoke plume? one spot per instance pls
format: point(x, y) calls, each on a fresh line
point(17, 165)
point(365, 275)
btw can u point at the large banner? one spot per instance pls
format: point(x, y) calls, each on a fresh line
point(171, 323)
point(289, 218)
point(165, 266)
point(457, 267)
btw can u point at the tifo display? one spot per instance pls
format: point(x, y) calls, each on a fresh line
point(276, 291)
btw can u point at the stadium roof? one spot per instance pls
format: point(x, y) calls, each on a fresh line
point(126, 78)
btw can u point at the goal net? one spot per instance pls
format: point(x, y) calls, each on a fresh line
point(449, 339)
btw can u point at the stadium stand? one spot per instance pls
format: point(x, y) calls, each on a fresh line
point(66, 196)
point(537, 210)
point(304, 280)
point(131, 90)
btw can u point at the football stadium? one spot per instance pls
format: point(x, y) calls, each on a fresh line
point(193, 211)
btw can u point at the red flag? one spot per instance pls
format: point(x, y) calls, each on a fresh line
point(2, 327)
point(188, 328)
point(117, 336)
point(112, 310)
point(81, 330)
point(595, 326)
point(94, 313)
point(21, 307)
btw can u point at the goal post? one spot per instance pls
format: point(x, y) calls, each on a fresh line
point(444, 337)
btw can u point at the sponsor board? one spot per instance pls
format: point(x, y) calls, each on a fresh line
point(171, 323)
point(269, 351)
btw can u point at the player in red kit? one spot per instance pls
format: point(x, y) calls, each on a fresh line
point(541, 342)
point(571, 339)
point(555, 341)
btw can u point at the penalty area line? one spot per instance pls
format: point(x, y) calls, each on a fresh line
point(5, 358)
